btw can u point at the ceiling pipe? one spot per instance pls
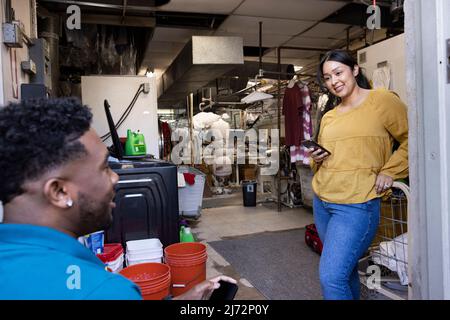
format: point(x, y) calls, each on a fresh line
point(124, 10)
point(260, 45)
point(103, 5)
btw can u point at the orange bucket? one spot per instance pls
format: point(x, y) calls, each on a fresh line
point(158, 292)
point(184, 250)
point(145, 272)
point(153, 279)
point(187, 261)
point(173, 261)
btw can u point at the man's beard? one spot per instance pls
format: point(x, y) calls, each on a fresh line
point(94, 215)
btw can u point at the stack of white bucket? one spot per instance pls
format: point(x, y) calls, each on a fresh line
point(112, 257)
point(142, 251)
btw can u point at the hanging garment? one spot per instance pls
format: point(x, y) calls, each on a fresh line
point(307, 123)
point(381, 78)
point(322, 103)
point(295, 153)
point(189, 178)
point(167, 139)
point(298, 124)
point(293, 113)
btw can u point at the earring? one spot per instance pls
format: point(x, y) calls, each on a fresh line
point(69, 203)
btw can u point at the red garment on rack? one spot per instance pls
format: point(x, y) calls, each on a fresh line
point(167, 136)
point(293, 115)
point(189, 178)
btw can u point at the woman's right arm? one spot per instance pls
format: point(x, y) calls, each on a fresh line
point(316, 158)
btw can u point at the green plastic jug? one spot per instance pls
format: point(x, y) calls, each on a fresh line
point(135, 145)
point(186, 235)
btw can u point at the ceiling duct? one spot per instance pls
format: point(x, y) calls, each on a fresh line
point(199, 66)
point(202, 60)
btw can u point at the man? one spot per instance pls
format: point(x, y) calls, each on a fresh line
point(56, 185)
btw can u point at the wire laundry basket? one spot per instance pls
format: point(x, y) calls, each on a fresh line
point(384, 270)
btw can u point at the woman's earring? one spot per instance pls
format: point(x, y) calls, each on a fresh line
point(69, 203)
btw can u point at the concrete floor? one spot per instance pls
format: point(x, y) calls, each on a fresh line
point(236, 220)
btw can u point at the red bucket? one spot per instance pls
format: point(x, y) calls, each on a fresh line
point(153, 278)
point(187, 261)
point(184, 250)
point(145, 272)
point(157, 292)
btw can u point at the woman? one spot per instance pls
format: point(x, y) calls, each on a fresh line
point(349, 182)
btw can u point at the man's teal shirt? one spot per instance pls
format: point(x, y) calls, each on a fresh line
point(42, 263)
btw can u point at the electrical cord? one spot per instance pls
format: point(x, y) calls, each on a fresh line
point(130, 107)
point(122, 118)
point(126, 113)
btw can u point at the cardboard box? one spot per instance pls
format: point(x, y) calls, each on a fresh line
point(247, 172)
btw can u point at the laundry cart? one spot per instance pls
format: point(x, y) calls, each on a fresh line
point(384, 270)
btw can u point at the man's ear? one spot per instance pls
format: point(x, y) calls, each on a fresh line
point(56, 192)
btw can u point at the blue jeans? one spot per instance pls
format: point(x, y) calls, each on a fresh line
point(346, 231)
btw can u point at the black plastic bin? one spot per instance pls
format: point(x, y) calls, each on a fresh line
point(249, 193)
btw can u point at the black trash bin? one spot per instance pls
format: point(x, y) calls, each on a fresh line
point(249, 193)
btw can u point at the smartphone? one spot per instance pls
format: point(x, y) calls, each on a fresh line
point(312, 144)
point(226, 291)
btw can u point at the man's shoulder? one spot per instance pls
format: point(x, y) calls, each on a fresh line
point(44, 274)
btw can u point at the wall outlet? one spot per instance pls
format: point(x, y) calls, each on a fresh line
point(146, 87)
point(28, 67)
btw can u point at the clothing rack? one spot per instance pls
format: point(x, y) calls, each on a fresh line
point(279, 73)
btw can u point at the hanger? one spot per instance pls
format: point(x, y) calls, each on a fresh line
point(296, 81)
point(302, 83)
point(292, 82)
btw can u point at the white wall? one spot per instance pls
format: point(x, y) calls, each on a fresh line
point(11, 57)
point(427, 30)
point(119, 91)
point(393, 51)
point(2, 101)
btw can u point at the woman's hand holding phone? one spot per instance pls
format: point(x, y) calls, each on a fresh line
point(315, 151)
point(318, 155)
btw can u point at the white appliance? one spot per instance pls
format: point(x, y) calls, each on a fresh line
point(119, 91)
point(388, 54)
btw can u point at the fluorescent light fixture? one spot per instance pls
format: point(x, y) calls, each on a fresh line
point(149, 73)
point(165, 111)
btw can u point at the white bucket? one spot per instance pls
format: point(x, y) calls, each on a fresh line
point(131, 262)
point(117, 264)
point(145, 244)
point(147, 254)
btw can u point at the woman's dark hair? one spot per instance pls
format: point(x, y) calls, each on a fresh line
point(344, 57)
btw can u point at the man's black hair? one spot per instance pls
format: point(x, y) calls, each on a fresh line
point(37, 135)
